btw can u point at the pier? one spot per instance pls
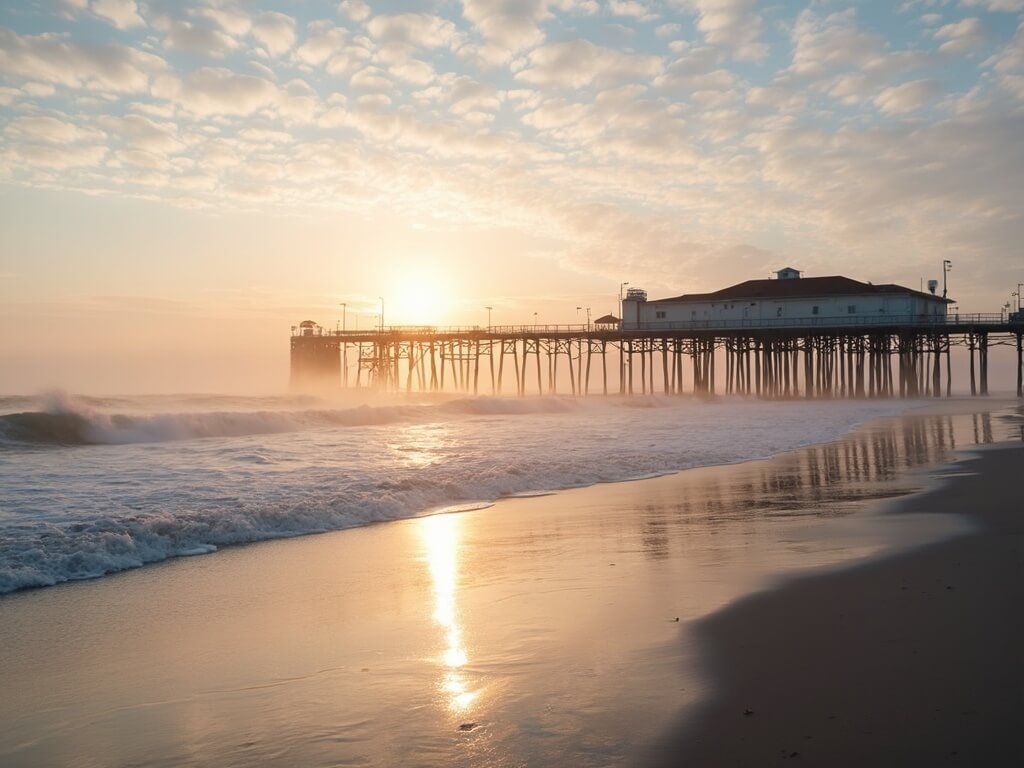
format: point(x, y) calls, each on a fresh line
point(893, 357)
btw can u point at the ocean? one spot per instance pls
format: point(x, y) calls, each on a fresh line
point(91, 486)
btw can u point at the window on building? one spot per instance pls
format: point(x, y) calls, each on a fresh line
point(778, 312)
point(660, 315)
point(814, 310)
point(693, 314)
point(851, 309)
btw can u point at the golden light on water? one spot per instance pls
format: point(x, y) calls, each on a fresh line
point(441, 540)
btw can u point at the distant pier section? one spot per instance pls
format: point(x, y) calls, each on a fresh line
point(783, 338)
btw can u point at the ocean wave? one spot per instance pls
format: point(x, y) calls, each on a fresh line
point(54, 553)
point(72, 421)
point(332, 469)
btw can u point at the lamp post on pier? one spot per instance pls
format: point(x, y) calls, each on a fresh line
point(488, 317)
point(946, 266)
point(344, 349)
point(381, 313)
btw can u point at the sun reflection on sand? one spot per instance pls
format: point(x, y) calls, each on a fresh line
point(441, 538)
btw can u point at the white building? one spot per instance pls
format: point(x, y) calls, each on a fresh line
point(788, 300)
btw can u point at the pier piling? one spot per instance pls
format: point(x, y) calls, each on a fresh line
point(766, 362)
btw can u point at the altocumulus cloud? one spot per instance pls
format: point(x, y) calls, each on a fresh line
point(636, 135)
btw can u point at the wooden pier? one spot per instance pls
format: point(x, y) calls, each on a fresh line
point(891, 358)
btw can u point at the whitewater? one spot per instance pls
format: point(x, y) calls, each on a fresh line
point(93, 486)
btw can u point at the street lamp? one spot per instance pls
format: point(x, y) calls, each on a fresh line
point(381, 313)
point(344, 306)
point(1017, 294)
point(588, 318)
point(578, 312)
point(534, 319)
point(946, 266)
point(488, 317)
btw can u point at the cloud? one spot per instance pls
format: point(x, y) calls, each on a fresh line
point(55, 158)
point(631, 8)
point(276, 31)
point(908, 97)
point(414, 29)
point(962, 37)
point(143, 134)
point(1011, 57)
point(730, 23)
point(665, 31)
point(578, 63)
point(123, 14)
point(823, 45)
point(218, 91)
point(231, 20)
point(357, 10)
point(51, 130)
point(56, 59)
point(197, 39)
point(371, 79)
point(467, 95)
point(695, 69)
point(324, 42)
point(1009, 6)
point(511, 26)
point(414, 71)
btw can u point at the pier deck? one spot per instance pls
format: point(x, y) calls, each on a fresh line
point(826, 357)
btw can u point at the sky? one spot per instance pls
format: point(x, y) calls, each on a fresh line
point(183, 181)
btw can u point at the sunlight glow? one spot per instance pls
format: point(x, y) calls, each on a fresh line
point(420, 298)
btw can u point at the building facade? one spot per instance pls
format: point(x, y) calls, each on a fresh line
point(790, 299)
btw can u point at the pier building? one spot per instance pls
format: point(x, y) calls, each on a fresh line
point(789, 297)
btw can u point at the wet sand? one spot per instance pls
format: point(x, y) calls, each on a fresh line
point(543, 631)
point(914, 660)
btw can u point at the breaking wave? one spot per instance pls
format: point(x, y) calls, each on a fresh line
point(68, 423)
point(149, 489)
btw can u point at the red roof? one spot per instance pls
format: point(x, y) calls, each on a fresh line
point(804, 287)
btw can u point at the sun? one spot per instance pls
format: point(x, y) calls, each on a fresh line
point(420, 299)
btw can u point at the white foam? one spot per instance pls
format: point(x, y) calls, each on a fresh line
point(75, 513)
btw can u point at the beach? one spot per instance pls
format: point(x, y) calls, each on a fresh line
point(605, 625)
point(913, 660)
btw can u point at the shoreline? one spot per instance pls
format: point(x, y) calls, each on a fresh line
point(958, 407)
point(911, 659)
point(472, 637)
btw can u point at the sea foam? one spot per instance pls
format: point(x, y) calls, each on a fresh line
point(86, 490)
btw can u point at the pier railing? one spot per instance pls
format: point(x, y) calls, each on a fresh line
point(975, 319)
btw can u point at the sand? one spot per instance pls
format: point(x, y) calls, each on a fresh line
point(569, 629)
point(914, 660)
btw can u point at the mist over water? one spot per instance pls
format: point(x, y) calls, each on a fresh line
point(90, 486)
